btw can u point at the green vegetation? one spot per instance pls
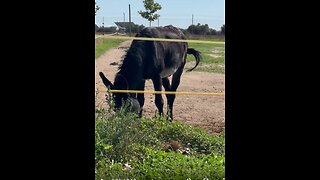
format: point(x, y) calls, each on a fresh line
point(103, 44)
point(150, 8)
point(96, 8)
point(213, 56)
point(128, 147)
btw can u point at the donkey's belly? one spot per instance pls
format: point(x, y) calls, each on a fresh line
point(167, 72)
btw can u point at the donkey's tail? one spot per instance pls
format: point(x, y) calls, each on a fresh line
point(196, 54)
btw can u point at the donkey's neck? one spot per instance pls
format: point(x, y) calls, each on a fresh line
point(131, 69)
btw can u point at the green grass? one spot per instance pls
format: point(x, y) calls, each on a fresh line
point(122, 138)
point(213, 57)
point(206, 37)
point(102, 45)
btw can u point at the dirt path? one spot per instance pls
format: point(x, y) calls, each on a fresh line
point(203, 111)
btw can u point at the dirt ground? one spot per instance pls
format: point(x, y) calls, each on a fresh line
point(203, 111)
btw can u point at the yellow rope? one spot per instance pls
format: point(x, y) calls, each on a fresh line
point(164, 92)
point(161, 39)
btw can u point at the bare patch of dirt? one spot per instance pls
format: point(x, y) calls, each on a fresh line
point(215, 54)
point(203, 111)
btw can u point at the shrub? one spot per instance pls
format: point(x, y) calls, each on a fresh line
point(128, 147)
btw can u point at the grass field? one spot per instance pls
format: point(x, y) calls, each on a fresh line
point(213, 56)
point(104, 44)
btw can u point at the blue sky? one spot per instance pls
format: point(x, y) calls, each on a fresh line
point(175, 12)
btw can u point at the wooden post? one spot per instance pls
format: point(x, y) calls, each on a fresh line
point(129, 21)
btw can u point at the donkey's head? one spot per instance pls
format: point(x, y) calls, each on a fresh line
point(120, 83)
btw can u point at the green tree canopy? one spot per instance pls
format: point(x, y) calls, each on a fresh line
point(223, 29)
point(96, 8)
point(201, 29)
point(150, 8)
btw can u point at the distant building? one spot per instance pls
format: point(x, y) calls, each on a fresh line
point(124, 27)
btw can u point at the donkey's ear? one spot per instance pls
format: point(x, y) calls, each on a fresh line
point(105, 81)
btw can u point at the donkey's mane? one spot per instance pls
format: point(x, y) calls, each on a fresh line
point(122, 58)
point(133, 52)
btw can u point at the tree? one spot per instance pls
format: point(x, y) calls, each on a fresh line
point(204, 29)
point(212, 31)
point(151, 7)
point(199, 29)
point(136, 28)
point(96, 8)
point(111, 29)
point(223, 29)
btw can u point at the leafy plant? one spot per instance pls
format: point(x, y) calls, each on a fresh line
point(128, 147)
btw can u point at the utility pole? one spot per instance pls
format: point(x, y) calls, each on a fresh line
point(102, 25)
point(192, 25)
point(192, 20)
point(158, 21)
point(124, 17)
point(129, 21)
